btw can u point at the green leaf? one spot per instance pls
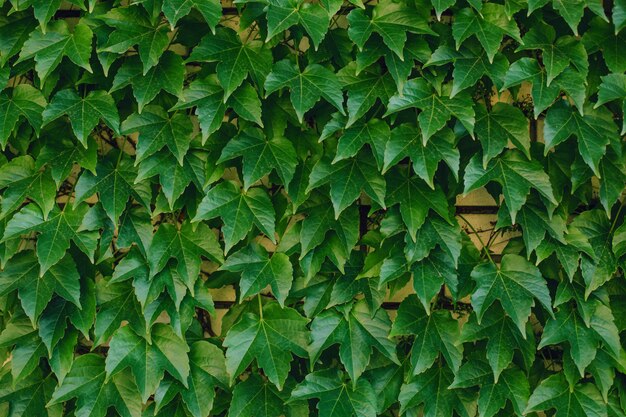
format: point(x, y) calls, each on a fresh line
point(503, 338)
point(157, 129)
point(375, 132)
point(415, 200)
point(347, 179)
point(35, 291)
point(431, 389)
point(283, 14)
point(55, 232)
point(320, 222)
point(557, 54)
point(336, 399)
point(406, 140)
point(168, 75)
point(436, 110)
point(431, 273)
point(357, 330)
point(251, 207)
point(24, 101)
point(186, 244)
point(528, 69)
point(568, 326)
point(61, 155)
point(495, 128)
point(261, 156)
point(236, 60)
point(207, 371)
point(306, 87)
point(515, 174)
point(256, 397)
point(133, 26)
point(210, 10)
point(602, 37)
point(258, 270)
point(593, 131)
point(435, 333)
point(613, 87)
point(391, 21)
point(114, 184)
point(13, 33)
point(148, 361)
point(514, 285)
point(555, 393)
point(50, 47)
point(364, 88)
point(95, 393)
point(271, 338)
point(21, 180)
point(493, 396)
point(84, 113)
point(489, 26)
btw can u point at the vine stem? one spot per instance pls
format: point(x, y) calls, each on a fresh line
point(260, 306)
point(485, 247)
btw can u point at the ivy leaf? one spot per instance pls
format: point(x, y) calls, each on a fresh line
point(148, 361)
point(415, 200)
point(283, 14)
point(375, 132)
point(55, 232)
point(133, 26)
point(115, 184)
point(256, 397)
point(24, 101)
point(503, 338)
point(593, 131)
point(435, 333)
point(435, 231)
point(336, 399)
point(207, 371)
point(601, 265)
point(613, 87)
point(248, 207)
point(497, 127)
point(186, 245)
point(347, 179)
point(236, 60)
point(357, 330)
point(261, 156)
point(528, 69)
point(84, 113)
point(602, 37)
point(571, 12)
point(95, 393)
point(431, 389)
point(514, 284)
point(557, 54)
point(391, 21)
point(13, 33)
point(320, 221)
point(364, 88)
point(271, 338)
point(61, 155)
point(258, 270)
point(436, 110)
point(168, 75)
point(569, 326)
point(50, 47)
point(555, 393)
point(210, 10)
point(29, 396)
point(116, 302)
point(305, 87)
point(489, 27)
point(157, 129)
point(406, 140)
point(431, 273)
point(515, 174)
point(21, 180)
point(35, 291)
point(493, 395)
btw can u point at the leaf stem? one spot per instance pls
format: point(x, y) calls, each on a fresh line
point(485, 248)
point(260, 306)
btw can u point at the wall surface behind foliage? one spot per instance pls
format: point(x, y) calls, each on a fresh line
point(291, 208)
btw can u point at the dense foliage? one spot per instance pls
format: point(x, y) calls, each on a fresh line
point(310, 155)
